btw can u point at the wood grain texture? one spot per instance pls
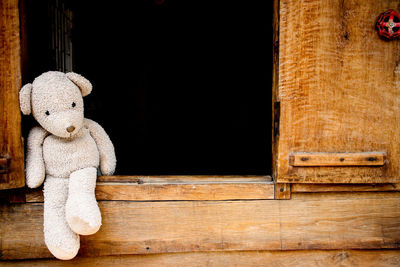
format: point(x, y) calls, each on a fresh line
point(354, 258)
point(307, 188)
point(339, 89)
point(11, 145)
point(301, 159)
point(4, 165)
point(307, 221)
point(282, 191)
point(146, 188)
point(275, 86)
point(185, 178)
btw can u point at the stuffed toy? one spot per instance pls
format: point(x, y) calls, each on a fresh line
point(66, 149)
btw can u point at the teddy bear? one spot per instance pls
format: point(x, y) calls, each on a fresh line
point(65, 152)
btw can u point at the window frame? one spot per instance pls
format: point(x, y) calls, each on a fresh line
point(112, 187)
point(11, 144)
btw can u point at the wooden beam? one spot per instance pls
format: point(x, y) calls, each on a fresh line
point(141, 179)
point(307, 221)
point(150, 188)
point(304, 188)
point(307, 258)
point(275, 105)
point(11, 145)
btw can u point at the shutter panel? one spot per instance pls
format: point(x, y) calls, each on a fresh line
point(339, 93)
point(11, 145)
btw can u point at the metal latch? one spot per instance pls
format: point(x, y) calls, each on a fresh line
point(4, 165)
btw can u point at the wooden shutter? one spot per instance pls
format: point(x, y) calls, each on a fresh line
point(339, 93)
point(11, 145)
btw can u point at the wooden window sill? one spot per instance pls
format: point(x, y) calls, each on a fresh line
point(153, 188)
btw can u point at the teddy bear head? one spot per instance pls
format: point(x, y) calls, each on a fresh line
point(55, 101)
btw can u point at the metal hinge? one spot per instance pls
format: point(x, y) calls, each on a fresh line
point(4, 165)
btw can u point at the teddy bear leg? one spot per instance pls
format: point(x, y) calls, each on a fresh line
point(62, 242)
point(83, 213)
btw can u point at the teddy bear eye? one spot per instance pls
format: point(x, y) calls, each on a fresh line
point(47, 113)
point(73, 104)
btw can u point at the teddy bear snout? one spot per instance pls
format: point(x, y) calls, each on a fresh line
point(70, 129)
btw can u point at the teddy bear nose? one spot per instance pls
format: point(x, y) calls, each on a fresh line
point(70, 129)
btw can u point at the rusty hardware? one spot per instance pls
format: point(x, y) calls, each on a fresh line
point(3, 165)
point(388, 25)
point(309, 159)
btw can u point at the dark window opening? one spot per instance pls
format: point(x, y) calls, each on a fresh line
point(181, 87)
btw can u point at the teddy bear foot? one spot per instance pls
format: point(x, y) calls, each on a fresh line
point(86, 220)
point(82, 212)
point(63, 253)
point(58, 236)
point(83, 227)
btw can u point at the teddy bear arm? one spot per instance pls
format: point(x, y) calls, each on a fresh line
point(105, 147)
point(35, 168)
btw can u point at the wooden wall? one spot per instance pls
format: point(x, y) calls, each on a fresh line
point(11, 143)
point(308, 221)
point(362, 258)
point(241, 221)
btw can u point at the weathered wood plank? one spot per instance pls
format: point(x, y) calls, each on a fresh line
point(11, 146)
point(4, 165)
point(307, 221)
point(309, 258)
point(282, 191)
point(185, 178)
point(275, 86)
point(304, 188)
point(303, 159)
point(177, 188)
point(338, 89)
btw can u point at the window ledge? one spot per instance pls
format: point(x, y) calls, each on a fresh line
point(163, 188)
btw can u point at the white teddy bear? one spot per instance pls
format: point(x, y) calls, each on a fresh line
point(67, 149)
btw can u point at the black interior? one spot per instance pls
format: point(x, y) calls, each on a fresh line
point(181, 87)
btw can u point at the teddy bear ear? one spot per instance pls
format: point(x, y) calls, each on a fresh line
point(25, 99)
point(84, 85)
